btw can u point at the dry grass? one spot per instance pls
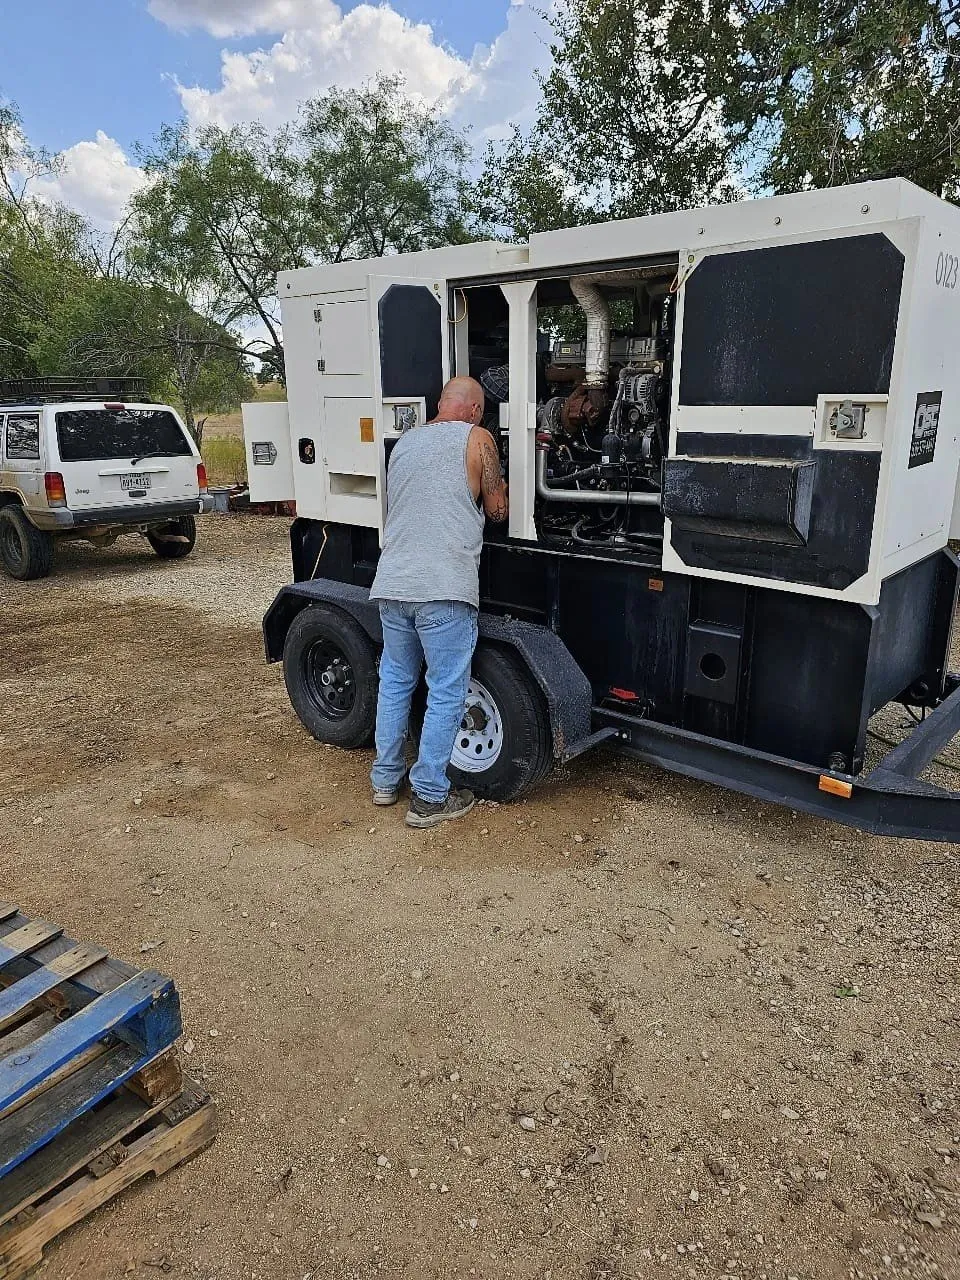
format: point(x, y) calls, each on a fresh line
point(225, 459)
point(231, 424)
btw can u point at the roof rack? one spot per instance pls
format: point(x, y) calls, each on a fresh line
point(50, 390)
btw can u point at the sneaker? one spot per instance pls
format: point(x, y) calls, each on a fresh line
point(424, 813)
point(387, 796)
point(384, 798)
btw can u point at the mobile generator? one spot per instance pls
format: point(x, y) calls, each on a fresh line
point(731, 437)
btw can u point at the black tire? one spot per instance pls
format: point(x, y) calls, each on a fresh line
point(26, 552)
point(325, 641)
point(526, 752)
point(160, 538)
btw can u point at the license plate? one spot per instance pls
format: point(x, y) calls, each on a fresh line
point(135, 482)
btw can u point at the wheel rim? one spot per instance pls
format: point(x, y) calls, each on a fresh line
point(479, 739)
point(328, 677)
point(10, 547)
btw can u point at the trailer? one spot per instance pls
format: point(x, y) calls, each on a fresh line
point(732, 439)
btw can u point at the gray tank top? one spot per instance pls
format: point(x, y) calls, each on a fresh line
point(434, 528)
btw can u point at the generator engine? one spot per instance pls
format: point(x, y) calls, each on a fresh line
point(602, 430)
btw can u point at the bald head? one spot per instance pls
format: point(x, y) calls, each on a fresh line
point(461, 400)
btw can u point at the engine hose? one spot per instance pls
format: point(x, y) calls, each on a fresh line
point(593, 497)
point(572, 477)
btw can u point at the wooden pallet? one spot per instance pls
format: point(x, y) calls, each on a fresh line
point(101, 1154)
point(91, 1092)
point(75, 1024)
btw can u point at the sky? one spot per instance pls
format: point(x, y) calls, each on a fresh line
point(93, 78)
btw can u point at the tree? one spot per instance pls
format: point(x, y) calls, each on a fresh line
point(361, 172)
point(126, 329)
point(629, 120)
point(384, 173)
point(223, 214)
point(833, 93)
point(652, 105)
point(71, 304)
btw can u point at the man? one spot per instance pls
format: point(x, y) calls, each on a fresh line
point(443, 478)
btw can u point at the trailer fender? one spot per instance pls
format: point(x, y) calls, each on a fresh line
point(565, 688)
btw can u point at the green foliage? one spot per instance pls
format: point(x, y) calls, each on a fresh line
point(383, 173)
point(628, 124)
point(827, 94)
point(361, 173)
point(72, 303)
point(652, 105)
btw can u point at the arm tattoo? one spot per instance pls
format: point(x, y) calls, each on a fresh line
point(491, 482)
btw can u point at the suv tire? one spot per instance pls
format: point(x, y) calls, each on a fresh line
point(183, 527)
point(330, 670)
point(26, 552)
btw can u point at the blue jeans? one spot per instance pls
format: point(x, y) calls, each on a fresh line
point(445, 633)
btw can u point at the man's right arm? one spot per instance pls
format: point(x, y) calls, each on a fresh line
point(493, 490)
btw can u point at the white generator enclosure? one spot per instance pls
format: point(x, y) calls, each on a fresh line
point(732, 440)
point(814, 335)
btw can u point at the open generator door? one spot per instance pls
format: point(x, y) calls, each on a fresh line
point(411, 359)
point(783, 370)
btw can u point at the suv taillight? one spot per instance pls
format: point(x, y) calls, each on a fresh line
point(202, 477)
point(56, 490)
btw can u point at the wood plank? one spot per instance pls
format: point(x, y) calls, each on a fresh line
point(25, 1033)
point(7, 909)
point(30, 1127)
point(93, 982)
point(83, 1140)
point(94, 1052)
point(149, 993)
point(163, 1146)
point(15, 998)
point(26, 939)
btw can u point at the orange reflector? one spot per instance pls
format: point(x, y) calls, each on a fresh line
point(366, 431)
point(655, 584)
point(836, 786)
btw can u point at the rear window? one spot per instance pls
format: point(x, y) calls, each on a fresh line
point(95, 435)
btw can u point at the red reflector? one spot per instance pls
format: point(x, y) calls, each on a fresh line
point(55, 489)
point(202, 477)
point(113, 406)
point(625, 695)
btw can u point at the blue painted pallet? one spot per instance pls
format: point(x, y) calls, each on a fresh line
point(111, 1021)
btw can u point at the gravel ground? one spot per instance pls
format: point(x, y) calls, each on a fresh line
point(631, 1027)
point(238, 566)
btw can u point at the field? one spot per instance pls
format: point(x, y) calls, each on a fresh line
point(223, 440)
point(631, 1027)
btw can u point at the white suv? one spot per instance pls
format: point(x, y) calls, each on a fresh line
point(92, 469)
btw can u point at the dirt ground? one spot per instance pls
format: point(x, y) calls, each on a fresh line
point(730, 1032)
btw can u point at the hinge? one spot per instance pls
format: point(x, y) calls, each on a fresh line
point(318, 314)
point(321, 366)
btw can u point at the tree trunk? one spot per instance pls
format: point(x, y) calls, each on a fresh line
point(195, 428)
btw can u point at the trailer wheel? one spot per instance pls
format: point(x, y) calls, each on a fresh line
point(504, 745)
point(175, 539)
point(331, 676)
point(26, 552)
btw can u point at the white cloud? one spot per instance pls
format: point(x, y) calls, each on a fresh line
point(503, 88)
point(225, 18)
point(96, 178)
point(320, 46)
point(332, 49)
